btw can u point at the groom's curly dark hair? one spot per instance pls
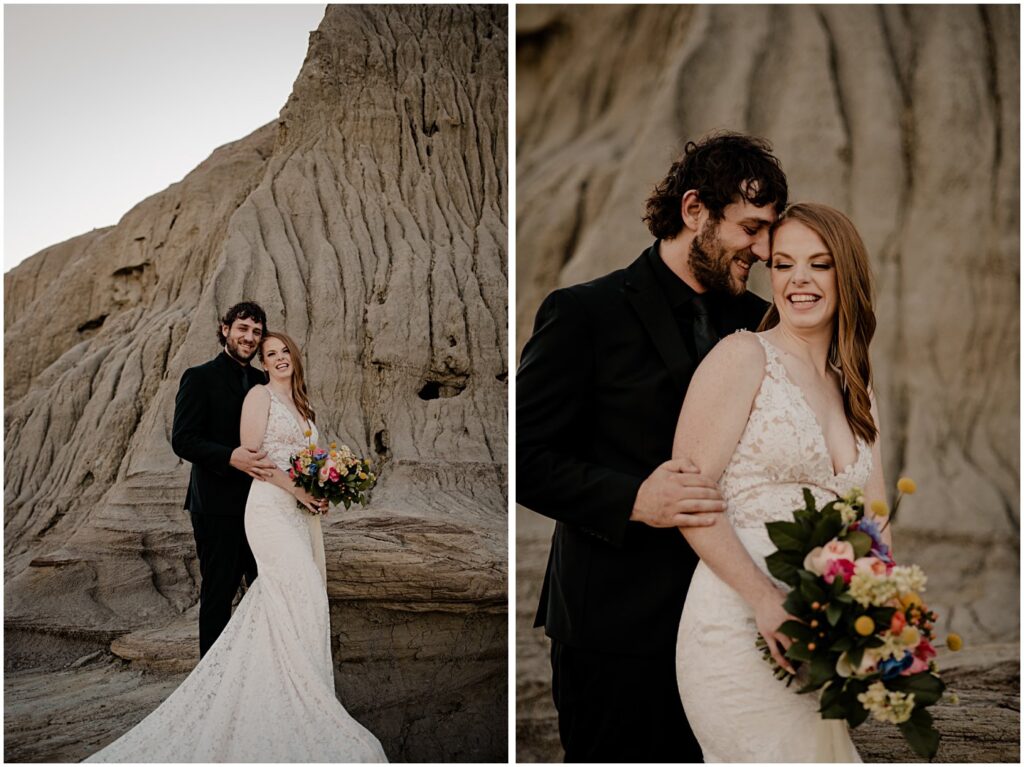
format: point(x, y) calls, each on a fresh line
point(246, 310)
point(721, 167)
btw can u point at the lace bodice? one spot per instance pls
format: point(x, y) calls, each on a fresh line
point(781, 451)
point(285, 436)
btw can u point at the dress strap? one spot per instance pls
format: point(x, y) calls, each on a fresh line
point(773, 365)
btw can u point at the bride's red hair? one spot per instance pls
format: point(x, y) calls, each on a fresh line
point(299, 395)
point(854, 325)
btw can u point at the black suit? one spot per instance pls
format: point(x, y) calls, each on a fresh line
point(599, 388)
point(207, 416)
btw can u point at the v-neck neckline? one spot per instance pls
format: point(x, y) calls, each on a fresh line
point(807, 405)
point(302, 428)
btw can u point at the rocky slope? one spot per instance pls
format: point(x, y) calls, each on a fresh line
point(370, 222)
point(905, 117)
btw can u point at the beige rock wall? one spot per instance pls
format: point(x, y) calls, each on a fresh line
point(905, 117)
point(370, 222)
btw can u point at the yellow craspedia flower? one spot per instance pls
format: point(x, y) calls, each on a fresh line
point(880, 508)
point(906, 485)
point(334, 446)
point(362, 475)
point(954, 642)
point(308, 433)
point(910, 599)
point(864, 625)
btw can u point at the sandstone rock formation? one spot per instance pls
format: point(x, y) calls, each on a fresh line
point(370, 222)
point(905, 117)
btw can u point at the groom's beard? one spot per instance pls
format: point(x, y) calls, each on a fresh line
point(238, 354)
point(711, 264)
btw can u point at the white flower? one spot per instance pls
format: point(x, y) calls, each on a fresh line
point(910, 578)
point(869, 589)
point(847, 513)
point(887, 705)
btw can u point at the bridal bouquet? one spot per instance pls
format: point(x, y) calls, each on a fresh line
point(863, 634)
point(336, 474)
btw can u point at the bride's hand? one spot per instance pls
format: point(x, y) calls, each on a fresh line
point(769, 615)
point(313, 504)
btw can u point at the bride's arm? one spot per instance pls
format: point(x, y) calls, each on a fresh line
point(875, 490)
point(712, 420)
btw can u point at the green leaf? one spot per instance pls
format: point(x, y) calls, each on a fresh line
point(921, 735)
point(809, 586)
point(795, 603)
point(855, 656)
point(797, 630)
point(831, 701)
point(927, 688)
point(799, 651)
point(845, 598)
point(856, 714)
point(823, 669)
point(834, 612)
point(882, 616)
point(861, 543)
point(843, 643)
point(827, 528)
point(782, 569)
point(788, 536)
point(809, 500)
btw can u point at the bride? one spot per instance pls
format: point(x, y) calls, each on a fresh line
point(766, 415)
point(264, 692)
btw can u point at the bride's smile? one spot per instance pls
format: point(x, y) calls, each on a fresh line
point(277, 359)
point(803, 278)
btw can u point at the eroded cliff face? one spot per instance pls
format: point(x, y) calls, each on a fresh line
point(907, 119)
point(370, 223)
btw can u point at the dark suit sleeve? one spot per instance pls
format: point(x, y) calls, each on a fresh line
point(555, 374)
point(191, 422)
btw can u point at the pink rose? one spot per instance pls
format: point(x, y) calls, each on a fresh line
point(924, 650)
point(916, 667)
point(870, 566)
point(333, 474)
point(324, 474)
point(838, 567)
point(819, 557)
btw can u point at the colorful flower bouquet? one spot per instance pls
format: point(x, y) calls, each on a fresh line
point(336, 474)
point(862, 634)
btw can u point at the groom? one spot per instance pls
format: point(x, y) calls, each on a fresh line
point(207, 415)
point(600, 385)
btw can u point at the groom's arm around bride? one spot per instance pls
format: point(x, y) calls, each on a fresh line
point(599, 389)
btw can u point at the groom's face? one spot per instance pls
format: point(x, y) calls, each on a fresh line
point(243, 338)
point(724, 249)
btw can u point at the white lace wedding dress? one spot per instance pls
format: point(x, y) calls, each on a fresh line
point(264, 692)
point(737, 709)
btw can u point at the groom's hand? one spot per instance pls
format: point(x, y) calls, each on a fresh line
point(676, 494)
point(252, 462)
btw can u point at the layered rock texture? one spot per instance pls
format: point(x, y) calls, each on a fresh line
point(904, 117)
point(370, 222)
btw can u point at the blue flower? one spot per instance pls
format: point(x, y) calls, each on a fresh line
point(891, 668)
point(878, 548)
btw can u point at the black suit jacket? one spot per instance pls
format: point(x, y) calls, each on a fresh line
point(207, 416)
point(599, 388)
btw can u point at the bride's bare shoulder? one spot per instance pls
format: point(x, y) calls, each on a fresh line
point(738, 352)
point(258, 394)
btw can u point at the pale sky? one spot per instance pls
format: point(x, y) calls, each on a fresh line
point(105, 105)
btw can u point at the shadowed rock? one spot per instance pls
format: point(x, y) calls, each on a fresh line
point(370, 222)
